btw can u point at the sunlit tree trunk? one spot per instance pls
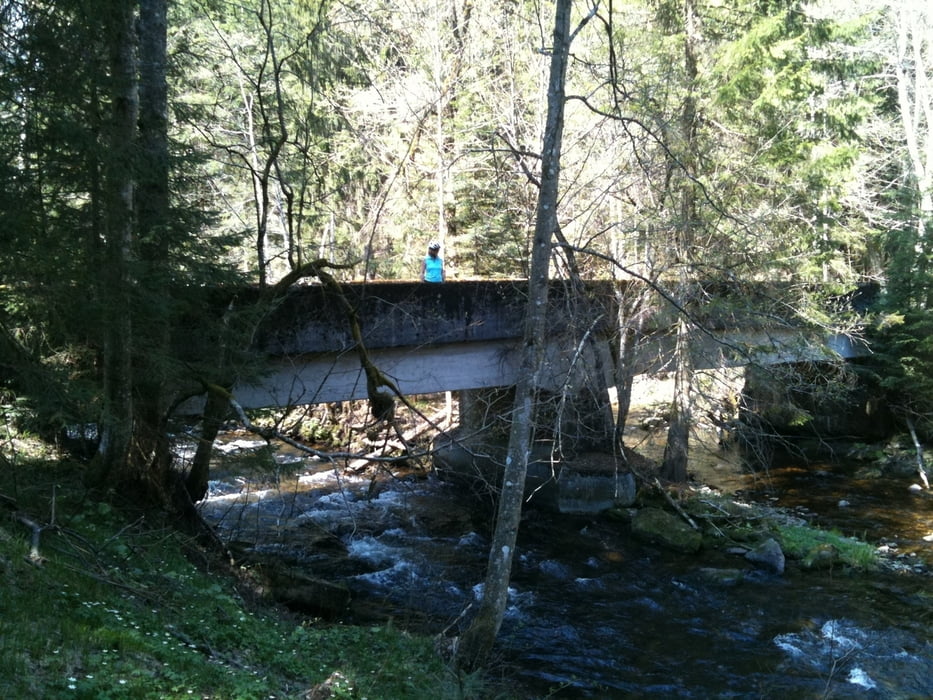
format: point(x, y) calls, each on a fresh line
point(440, 136)
point(676, 451)
point(478, 640)
point(454, 20)
point(914, 36)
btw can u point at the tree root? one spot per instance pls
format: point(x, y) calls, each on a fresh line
point(34, 557)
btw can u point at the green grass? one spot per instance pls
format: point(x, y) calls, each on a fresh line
point(119, 608)
point(813, 546)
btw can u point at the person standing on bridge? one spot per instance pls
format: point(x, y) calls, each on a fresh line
point(432, 267)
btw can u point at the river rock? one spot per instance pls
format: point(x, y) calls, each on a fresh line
point(299, 591)
point(767, 555)
point(822, 556)
point(660, 527)
point(722, 577)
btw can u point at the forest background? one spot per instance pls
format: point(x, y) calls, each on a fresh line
point(154, 150)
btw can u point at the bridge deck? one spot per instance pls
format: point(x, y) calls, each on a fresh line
point(466, 335)
point(407, 314)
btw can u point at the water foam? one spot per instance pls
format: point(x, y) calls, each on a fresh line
point(858, 677)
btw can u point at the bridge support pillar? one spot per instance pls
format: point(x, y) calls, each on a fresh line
point(576, 472)
point(580, 421)
point(485, 411)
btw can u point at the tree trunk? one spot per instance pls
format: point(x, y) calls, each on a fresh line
point(151, 435)
point(676, 451)
point(915, 102)
point(112, 463)
point(631, 302)
point(134, 451)
point(215, 410)
point(479, 638)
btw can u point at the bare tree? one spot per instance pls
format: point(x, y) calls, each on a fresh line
point(914, 43)
point(479, 638)
point(677, 449)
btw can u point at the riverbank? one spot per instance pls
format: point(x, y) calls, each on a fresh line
point(99, 603)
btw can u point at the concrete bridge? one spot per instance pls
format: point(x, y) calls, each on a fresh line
point(466, 335)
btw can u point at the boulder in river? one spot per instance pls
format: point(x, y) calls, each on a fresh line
point(666, 529)
point(768, 555)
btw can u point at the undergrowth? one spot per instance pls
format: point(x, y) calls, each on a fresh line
point(93, 605)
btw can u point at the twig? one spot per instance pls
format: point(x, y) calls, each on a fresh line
point(363, 460)
point(463, 613)
point(674, 505)
point(332, 457)
point(142, 593)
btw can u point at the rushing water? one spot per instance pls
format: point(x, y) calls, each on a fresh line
point(593, 613)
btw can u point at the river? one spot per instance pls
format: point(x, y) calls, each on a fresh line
point(594, 613)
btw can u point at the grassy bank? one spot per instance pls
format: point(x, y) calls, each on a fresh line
point(100, 603)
